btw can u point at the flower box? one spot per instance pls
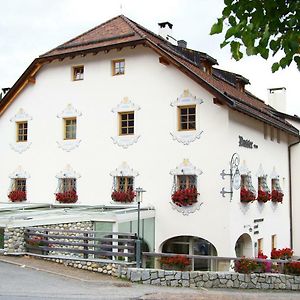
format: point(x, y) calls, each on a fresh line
point(246, 195)
point(123, 197)
point(277, 196)
point(263, 196)
point(178, 262)
point(67, 197)
point(185, 197)
point(17, 196)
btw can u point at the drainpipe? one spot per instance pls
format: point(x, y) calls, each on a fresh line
point(290, 190)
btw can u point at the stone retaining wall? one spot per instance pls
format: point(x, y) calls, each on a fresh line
point(265, 281)
point(14, 237)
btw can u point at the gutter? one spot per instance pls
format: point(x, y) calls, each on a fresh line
point(290, 191)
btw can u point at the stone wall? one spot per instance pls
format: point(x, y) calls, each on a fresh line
point(196, 279)
point(14, 237)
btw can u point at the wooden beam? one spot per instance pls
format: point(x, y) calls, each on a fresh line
point(31, 79)
point(163, 61)
point(217, 101)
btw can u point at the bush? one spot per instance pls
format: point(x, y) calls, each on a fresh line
point(292, 268)
point(177, 262)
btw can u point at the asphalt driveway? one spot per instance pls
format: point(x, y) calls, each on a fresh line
point(29, 278)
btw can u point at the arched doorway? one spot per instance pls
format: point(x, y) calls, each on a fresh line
point(194, 246)
point(243, 246)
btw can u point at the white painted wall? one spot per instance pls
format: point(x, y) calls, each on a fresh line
point(153, 87)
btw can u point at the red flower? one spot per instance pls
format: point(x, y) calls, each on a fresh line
point(67, 197)
point(284, 253)
point(277, 196)
point(123, 197)
point(185, 197)
point(292, 268)
point(178, 261)
point(247, 195)
point(17, 196)
point(263, 196)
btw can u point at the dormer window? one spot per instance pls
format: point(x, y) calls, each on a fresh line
point(187, 117)
point(78, 73)
point(118, 67)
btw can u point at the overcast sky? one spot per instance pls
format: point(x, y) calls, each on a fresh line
point(30, 28)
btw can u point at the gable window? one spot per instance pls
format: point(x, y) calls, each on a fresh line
point(247, 192)
point(187, 117)
point(22, 131)
point(126, 123)
point(123, 189)
point(66, 190)
point(70, 128)
point(263, 194)
point(277, 194)
point(18, 190)
point(78, 73)
point(118, 67)
point(186, 182)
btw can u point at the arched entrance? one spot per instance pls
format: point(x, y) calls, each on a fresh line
point(194, 246)
point(243, 246)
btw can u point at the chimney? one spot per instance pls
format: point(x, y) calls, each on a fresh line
point(277, 98)
point(182, 43)
point(165, 30)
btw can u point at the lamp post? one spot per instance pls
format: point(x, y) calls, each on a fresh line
point(139, 197)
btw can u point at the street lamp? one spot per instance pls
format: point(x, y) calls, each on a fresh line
point(139, 198)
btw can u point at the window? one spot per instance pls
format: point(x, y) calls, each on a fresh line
point(67, 185)
point(124, 184)
point(118, 67)
point(78, 73)
point(126, 123)
point(22, 131)
point(260, 245)
point(70, 129)
point(187, 117)
point(186, 182)
point(274, 242)
point(20, 184)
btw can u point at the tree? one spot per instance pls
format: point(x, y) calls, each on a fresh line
point(262, 27)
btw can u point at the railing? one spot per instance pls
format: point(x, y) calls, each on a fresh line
point(78, 243)
point(206, 262)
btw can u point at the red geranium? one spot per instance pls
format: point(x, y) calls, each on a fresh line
point(67, 197)
point(17, 196)
point(178, 261)
point(185, 197)
point(284, 253)
point(263, 196)
point(247, 195)
point(122, 196)
point(277, 196)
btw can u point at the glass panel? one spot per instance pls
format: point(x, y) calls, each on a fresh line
point(192, 125)
point(131, 116)
point(183, 119)
point(192, 110)
point(184, 126)
point(131, 130)
point(131, 123)
point(124, 116)
point(183, 111)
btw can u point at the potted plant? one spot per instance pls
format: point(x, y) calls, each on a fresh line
point(185, 197)
point(67, 197)
point(246, 195)
point(263, 196)
point(285, 253)
point(178, 262)
point(123, 196)
point(277, 196)
point(17, 196)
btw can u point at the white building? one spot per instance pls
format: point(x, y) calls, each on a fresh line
point(120, 107)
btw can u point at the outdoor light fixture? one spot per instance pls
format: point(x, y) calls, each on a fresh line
point(139, 198)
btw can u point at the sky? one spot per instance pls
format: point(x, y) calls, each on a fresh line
point(32, 27)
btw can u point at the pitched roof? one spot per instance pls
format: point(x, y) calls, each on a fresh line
point(120, 31)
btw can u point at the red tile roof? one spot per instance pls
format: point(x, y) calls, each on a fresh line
point(121, 31)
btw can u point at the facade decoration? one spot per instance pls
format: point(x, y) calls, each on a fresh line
point(125, 141)
point(19, 173)
point(20, 116)
point(69, 144)
point(123, 184)
point(67, 185)
point(186, 137)
point(184, 192)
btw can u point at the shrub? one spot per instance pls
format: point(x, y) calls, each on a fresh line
point(292, 268)
point(245, 265)
point(177, 262)
point(284, 253)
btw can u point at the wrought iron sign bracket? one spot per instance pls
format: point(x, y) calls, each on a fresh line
point(234, 174)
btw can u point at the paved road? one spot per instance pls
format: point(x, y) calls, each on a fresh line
point(52, 281)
